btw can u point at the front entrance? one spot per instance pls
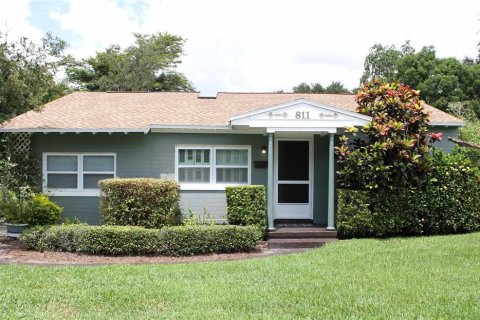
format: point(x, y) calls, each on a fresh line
point(293, 179)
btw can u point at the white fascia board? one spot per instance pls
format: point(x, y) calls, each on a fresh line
point(70, 130)
point(305, 130)
point(295, 124)
point(205, 129)
point(296, 102)
point(447, 124)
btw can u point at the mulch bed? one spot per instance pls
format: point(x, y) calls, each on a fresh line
point(12, 252)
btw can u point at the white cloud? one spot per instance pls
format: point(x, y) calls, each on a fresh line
point(13, 20)
point(97, 24)
point(267, 45)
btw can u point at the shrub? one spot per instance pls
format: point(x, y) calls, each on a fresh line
point(146, 202)
point(246, 205)
point(394, 147)
point(447, 203)
point(131, 240)
point(43, 211)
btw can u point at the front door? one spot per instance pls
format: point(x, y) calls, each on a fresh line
point(293, 179)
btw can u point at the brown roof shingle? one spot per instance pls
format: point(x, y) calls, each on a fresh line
point(105, 110)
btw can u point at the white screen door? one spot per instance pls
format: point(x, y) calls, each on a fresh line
point(293, 179)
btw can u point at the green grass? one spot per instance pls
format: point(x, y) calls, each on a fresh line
point(415, 278)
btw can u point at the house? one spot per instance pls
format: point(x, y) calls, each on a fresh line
point(284, 141)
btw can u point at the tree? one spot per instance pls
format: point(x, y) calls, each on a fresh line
point(394, 147)
point(441, 81)
point(27, 74)
point(307, 88)
point(336, 87)
point(380, 63)
point(148, 65)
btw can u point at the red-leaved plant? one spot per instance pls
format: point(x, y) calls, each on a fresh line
point(394, 148)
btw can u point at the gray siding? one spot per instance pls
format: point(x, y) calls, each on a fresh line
point(151, 155)
point(447, 132)
point(214, 202)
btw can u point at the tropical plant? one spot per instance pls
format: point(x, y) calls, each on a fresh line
point(15, 208)
point(394, 148)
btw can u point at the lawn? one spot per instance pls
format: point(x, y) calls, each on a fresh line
point(415, 278)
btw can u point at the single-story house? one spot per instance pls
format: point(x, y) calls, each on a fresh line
point(284, 141)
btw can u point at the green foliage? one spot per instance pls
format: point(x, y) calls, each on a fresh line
point(28, 207)
point(18, 168)
point(202, 219)
point(129, 240)
point(447, 203)
point(27, 77)
point(470, 133)
point(380, 63)
point(15, 208)
point(246, 206)
point(441, 81)
point(43, 211)
point(149, 65)
point(394, 149)
point(146, 202)
point(336, 87)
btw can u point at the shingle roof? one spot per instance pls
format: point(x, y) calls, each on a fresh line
point(105, 110)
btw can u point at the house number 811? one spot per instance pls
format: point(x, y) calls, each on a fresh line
point(302, 115)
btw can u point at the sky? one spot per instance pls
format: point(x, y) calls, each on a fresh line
point(255, 45)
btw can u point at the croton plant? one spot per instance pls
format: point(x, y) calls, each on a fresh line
point(394, 148)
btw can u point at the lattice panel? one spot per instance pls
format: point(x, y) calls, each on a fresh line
point(21, 143)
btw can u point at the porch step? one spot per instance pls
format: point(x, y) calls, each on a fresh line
point(301, 232)
point(298, 243)
point(300, 237)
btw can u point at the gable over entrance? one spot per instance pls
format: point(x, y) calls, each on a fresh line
point(299, 115)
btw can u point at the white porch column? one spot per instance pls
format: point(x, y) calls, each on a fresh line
point(331, 184)
point(270, 184)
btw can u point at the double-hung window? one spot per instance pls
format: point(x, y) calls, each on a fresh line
point(212, 167)
point(76, 173)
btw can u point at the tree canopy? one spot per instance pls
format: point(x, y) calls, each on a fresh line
point(335, 87)
point(148, 65)
point(27, 74)
point(441, 81)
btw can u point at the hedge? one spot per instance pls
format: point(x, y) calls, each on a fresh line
point(145, 202)
point(447, 203)
point(131, 240)
point(246, 206)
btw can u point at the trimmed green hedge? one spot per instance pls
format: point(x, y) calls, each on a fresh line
point(246, 206)
point(448, 203)
point(130, 240)
point(145, 202)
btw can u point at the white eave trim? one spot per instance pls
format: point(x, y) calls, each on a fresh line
point(447, 124)
point(73, 130)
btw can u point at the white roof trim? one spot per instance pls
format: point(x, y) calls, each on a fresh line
point(73, 130)
point(447, 124)
point(299, 101)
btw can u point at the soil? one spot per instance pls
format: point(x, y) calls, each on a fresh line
point(12, 252)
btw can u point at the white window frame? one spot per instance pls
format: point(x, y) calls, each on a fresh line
point(79, 191)
point(212, 185)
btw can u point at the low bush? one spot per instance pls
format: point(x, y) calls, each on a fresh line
point(131, 240)
point(43, 211)
point(246, 206)
point(447, 203)
point(145, 202)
